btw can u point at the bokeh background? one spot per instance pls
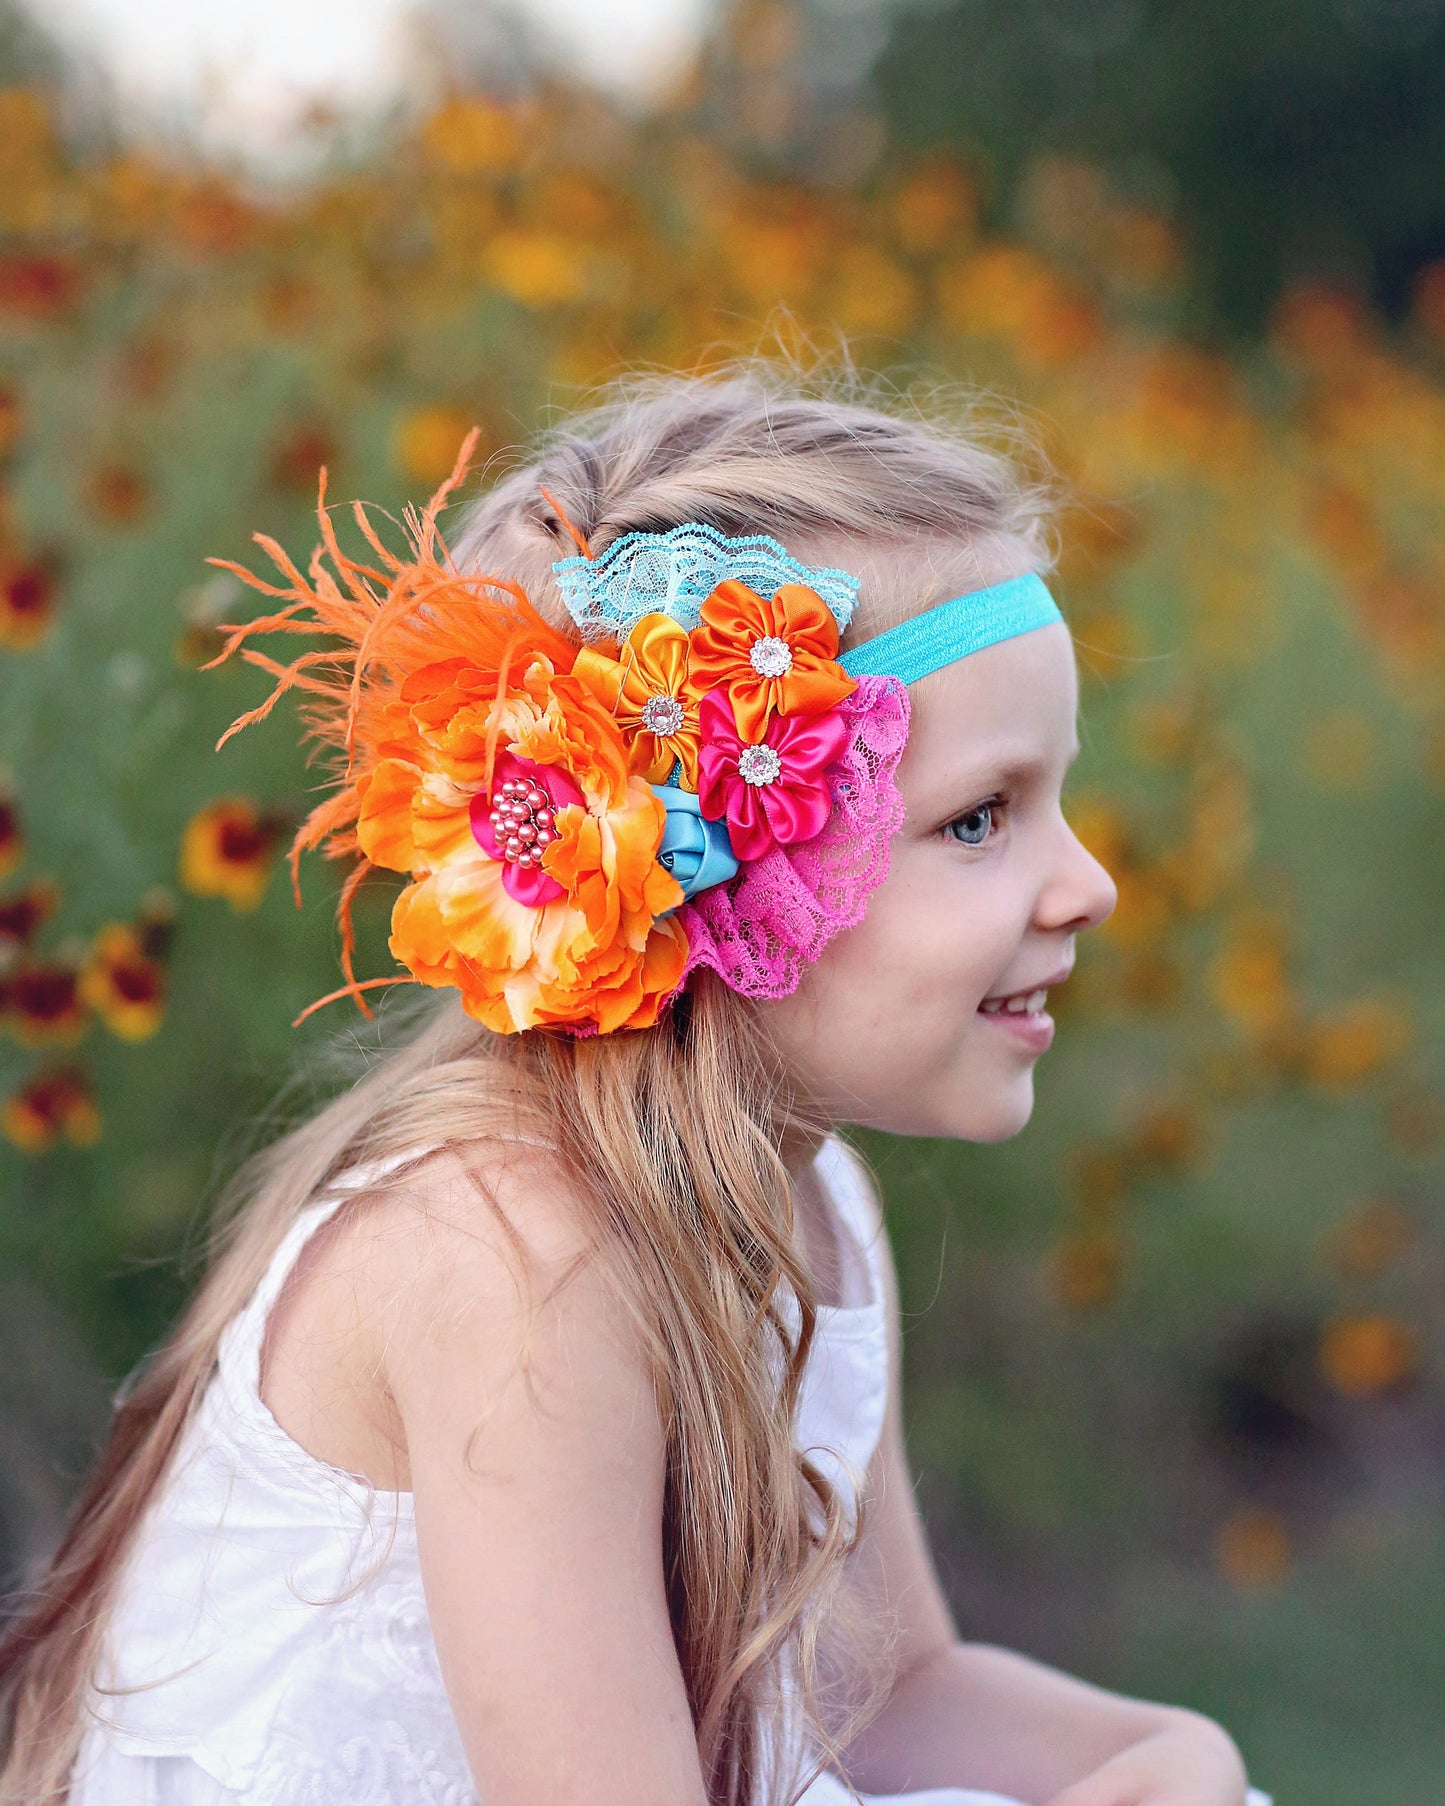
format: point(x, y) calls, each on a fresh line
point(1175, 1364)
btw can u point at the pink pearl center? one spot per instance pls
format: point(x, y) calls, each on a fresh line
point(524, 822)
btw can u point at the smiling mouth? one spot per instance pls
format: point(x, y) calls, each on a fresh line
point(1023, 1003)
point(1032, 1026)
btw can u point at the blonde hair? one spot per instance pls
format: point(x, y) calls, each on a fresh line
point(672, 1136)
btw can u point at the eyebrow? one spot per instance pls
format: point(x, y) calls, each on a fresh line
point(1013, 768)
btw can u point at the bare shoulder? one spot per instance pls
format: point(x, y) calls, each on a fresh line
point(488, 1214)
point(479, 1251)
point(493, 1302)
point(452, 1266)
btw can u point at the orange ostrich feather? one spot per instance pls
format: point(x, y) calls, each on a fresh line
point(389, 619)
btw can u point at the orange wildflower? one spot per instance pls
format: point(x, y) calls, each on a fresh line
point(11, 417)
point(212, 217)
point(297, 453)
point(1371, 1353)
point(471, 758)
point(1170, 1138)
point(124, 987)
point(47, 1106)
point(778, 655)
point(1252, 1548)
point(1320, 329)
point(471, 136)
point(227, 851)
point(40, 1003)
point(424, 442)
point(12, 841)
point(651, 694)
point(1350, 1044)
point(538, 268)
point(24, 910)
point(40, 286)
point(119, 494)
point(936, 205)
point(1085, 1268)
point(27, 603)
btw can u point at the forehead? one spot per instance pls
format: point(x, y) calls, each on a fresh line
point(1013, 702)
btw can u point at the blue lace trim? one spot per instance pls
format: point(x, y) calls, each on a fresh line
point(674, 573)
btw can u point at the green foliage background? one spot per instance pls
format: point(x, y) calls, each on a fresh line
point(1174, 1361)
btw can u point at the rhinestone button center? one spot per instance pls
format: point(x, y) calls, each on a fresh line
point(662, 715)
point(759, 765)
point(771, 657)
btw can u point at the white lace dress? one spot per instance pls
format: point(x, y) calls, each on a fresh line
point(270, 1643)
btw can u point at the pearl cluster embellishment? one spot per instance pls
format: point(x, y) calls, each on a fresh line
point(523, 822)
point(759, 765)
point(771, 657)
point(662, 715)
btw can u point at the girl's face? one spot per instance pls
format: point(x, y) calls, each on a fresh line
point(987, 889)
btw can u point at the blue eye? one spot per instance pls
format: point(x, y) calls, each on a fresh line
point(984, 811)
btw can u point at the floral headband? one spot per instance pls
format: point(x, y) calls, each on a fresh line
point(702, 781)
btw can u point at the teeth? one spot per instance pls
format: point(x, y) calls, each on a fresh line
point(1018, 1006)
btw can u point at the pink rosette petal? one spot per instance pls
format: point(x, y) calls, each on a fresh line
point(761, 929)
point(791, 807)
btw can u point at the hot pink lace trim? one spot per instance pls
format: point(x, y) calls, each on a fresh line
point(762, 927)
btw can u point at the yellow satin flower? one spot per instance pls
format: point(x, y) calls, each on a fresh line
point(649, 688)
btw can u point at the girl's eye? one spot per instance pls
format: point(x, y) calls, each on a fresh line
point(974, 823)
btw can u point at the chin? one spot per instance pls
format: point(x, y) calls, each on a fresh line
point(963, 1119)
point(1008, 1116)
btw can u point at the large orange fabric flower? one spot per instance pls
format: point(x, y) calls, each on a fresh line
point(651, 693)
point(470, 757)
point(774, 655)
point(593, 950)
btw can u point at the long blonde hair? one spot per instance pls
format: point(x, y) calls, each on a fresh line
point(672, 1135)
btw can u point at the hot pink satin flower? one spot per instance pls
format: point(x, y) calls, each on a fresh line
point(772, 792)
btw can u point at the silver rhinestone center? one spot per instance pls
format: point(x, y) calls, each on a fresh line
point(771, 657)
point(759, 765)
point(662, 715)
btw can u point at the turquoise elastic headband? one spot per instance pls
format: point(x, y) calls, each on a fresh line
point(954, 629)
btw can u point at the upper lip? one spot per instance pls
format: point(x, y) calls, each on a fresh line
point(1040, 984)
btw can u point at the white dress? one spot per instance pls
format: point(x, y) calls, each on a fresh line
point(270, 1645)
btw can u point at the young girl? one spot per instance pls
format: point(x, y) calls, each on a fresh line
point(536, 1435)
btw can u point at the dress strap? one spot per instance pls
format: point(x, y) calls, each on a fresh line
point(241, 1343)
point(848, 1186)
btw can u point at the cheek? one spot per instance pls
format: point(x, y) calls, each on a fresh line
point(901, 988)
point(892, 989)
point(933, 943)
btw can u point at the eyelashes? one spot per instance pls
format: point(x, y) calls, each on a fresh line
point(991, 809)
point(977, 834)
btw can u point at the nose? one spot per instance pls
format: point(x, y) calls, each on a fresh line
point(1081, 894)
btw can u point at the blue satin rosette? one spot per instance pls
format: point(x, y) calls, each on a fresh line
point(697, 852)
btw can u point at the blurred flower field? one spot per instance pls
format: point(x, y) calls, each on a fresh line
point(1175, 1354)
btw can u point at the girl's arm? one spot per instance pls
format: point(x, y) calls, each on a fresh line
point(968, 1714)
point(537, 1471)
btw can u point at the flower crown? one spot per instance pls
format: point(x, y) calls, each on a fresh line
point(702, 781)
